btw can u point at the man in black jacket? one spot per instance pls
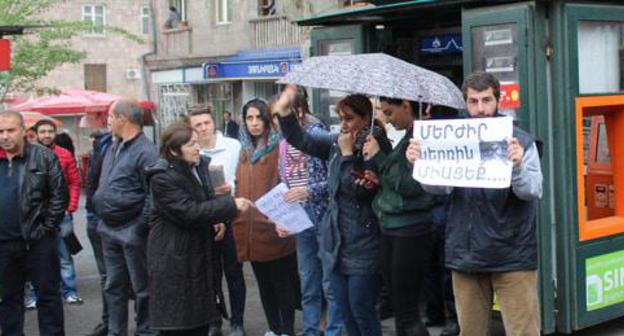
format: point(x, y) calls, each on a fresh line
point(33, 199)
point(121, 202)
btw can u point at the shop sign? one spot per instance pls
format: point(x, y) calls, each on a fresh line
point(510, 96)
point(5, 55)
point(604, 280)
point(271, 69)
point(442, 44)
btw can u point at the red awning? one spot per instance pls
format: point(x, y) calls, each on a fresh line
point(73, 101)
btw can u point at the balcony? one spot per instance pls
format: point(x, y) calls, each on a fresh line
point(275, 32)
point(176, 42)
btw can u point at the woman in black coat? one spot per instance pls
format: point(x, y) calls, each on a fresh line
point(183, 220)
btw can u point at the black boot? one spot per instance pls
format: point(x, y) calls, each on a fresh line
point(99, 330)
point(451, 329)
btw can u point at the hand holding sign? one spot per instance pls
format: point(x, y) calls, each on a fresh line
point(296, 195)
point(413, 150)
point(515, 152)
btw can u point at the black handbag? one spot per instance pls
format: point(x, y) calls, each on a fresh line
point(72, 243)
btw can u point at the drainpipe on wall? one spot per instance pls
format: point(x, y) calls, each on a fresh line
point(145, 73)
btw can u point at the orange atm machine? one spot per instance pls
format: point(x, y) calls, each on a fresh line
point(600, 198)
point(599, 177)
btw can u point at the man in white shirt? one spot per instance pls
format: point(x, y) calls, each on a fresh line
point(224, 153)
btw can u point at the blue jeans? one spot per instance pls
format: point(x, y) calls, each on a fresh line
point(313, 284)
point(68, 271)
point(357, 295)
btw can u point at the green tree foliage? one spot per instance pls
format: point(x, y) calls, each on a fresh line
point(45, 45)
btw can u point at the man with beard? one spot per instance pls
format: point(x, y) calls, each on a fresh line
point(45, 130)
point(223, 153)
point(491, 243)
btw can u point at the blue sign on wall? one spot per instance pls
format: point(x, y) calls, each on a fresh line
point(442, 44)
point(271, 69)
point(254, 64)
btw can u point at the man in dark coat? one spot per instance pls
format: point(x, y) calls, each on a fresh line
point(33, 199)
point(491, 243)
point(121, 202)
point(230, 127)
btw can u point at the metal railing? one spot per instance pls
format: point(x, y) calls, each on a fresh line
point(176, 42)
point(275, 32)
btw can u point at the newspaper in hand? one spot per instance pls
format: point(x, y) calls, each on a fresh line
point(290, 217)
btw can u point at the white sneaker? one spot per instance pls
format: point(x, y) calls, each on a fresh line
point(270, 333)
point(30, 304)
point(74, 299)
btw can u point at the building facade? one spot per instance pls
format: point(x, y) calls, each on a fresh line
point(113, 62)
point(224, 52)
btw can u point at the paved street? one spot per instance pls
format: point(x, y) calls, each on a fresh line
point(80, 319)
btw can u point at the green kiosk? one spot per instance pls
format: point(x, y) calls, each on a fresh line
point(561, 66)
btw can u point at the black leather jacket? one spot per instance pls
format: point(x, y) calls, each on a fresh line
point(42, 194)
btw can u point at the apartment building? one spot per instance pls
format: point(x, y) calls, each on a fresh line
point(223, 52)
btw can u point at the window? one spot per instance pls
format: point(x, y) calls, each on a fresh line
point(145, 20)
point(96, 15)
point(266, 7)
point(601, 56)
point(95, 77)
point(181, 7)
point(224, 11)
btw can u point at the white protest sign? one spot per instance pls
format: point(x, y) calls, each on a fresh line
point(287, 216)
point(464, 152)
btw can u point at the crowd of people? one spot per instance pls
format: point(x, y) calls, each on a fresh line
point(168, 222)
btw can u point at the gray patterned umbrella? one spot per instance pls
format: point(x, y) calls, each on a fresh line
point(376, 75)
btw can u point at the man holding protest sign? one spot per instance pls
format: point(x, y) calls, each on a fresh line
point(491, 243)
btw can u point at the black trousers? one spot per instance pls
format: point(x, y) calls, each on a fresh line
point(278, 286)
point(39, 263)
point(201, 331)
point(226, 262)
point(404, 265)
point(96, 242)
point(438, 282)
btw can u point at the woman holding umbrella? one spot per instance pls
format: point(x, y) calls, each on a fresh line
point(349, 246)
point(404, 210)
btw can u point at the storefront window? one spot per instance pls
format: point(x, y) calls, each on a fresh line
point(495, 50)
point(265, 90)
point(174, 101)
point(601, 56)
point(217, 96)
